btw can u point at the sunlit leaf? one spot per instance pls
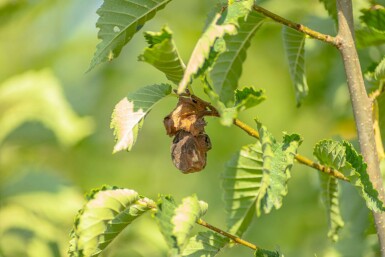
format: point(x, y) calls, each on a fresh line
point(374, 18)
point(255, 179)
point(294, 42)
point(266, 253)
point(228, 67)
point(108, 211)
point(163, 55)
point(343, 157)
point(205, 244)
point(118, 21)
point(329, 193)
point(331, 8)
point(245, 98)
point(379, 71)
point(221, 24)
point(37, 96)
point(369, 37)
point(129, 114)
point(176, 221)
point(360, 178)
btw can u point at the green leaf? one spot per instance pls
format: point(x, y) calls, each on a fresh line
point(360, 178)
point(266, 253)
point(246, 98)
point(163, 54)
point(343, 157)
point(205, 244)
point(228, 67)
point(108, 211)
point(331, 8)
point(374, 18)
point(379, 71)
point(38, 96)
point(294, 42)
point(118, 21)
point(366, 37)
point(175, 222)
point(128, 115)
point(221, 24)
point(255, 179)
point(329, 193)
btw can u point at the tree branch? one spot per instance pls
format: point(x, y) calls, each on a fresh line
point(236, 239)
point(362, 107)
point(299, 27)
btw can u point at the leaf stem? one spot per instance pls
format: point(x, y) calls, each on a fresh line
point(299, 27)
point(236, 239)
point(301, 159)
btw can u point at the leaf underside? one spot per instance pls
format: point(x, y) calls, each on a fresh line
point(255, 179)
point(228, 67)
point(118, 21)
point(343, 157)
point(294, 43)
point(176, 222)
point(108, 211)
point(163, 54)
point(207, 244)
point(222, 24)
point(128, 115)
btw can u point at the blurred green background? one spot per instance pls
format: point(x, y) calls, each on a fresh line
point(56, 144)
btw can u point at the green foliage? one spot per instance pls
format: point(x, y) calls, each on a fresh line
point(294, 42)
point(266, 253)
point(255, 179)
point(379, 71)
point(222, 24)
point(331, 8)
point(228, 67)
point(163, 54)
point(118, 21)
point(374, 18)
point(129, 114)
point(373, 30)
point(175, 222)
point(37, 96)
point(343, 157)
point(243, 99)
point(107, 212)
point(329, 194)
point(207, 244)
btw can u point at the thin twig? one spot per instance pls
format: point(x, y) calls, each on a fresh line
point(236, 239)
point(299, 27)
point(301, 159)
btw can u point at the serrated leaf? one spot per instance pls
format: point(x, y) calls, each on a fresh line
point(255, 179)
point(205, 244)
point(366, 37)
point(379, 71)
point(343, 157)
point(221, 24)
point(246, 98)
point(374, 18)
point(175, 222)
point(266, 253)
point(118, 21)
point(360, 178)
point(331, 8)
point(108, 211)
point(294, 43)
point(163, 54)
point(38, 96)
point(228, 67)
point(329, 194)
point(128, 115)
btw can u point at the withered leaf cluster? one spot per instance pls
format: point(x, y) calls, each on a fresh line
point(190, 144)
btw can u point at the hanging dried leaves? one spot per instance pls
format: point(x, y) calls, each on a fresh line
point(191, 143)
